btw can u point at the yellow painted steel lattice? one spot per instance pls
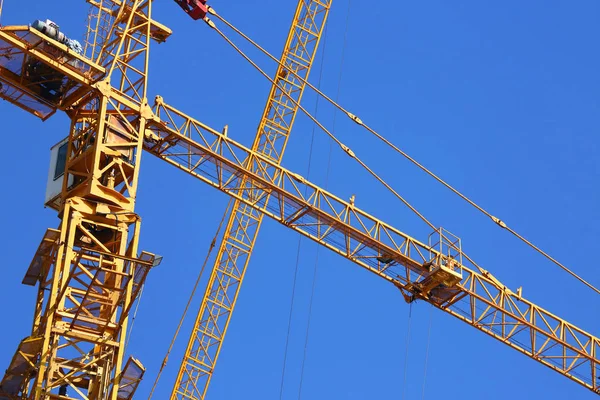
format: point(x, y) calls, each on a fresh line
point(244, 222)
point(88, 270)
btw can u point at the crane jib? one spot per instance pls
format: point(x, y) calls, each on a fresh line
point(479, 300)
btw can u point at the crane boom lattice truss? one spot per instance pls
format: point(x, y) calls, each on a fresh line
point(479, 299)
point(244, 222)
point(88, 271)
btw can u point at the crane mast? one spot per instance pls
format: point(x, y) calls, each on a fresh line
point(244, 222)
point(89, 270)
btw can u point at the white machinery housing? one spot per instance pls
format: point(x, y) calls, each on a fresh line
point(56, 172)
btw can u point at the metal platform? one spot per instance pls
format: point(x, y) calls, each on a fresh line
point(44, 257)
point(130, 379)
point(41, 75)
point(21, 367)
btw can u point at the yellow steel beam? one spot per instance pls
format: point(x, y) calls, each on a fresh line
point(244, 222)
point(479, 299)
point(34, 46)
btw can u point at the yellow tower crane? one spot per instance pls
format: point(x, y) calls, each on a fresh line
point(89, 270)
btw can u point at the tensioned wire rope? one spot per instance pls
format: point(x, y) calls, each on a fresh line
point(211, 24)
point(300, 237)
point(348, 151)
point(331, 135)
point(407, 350)
point(427, 352)
point(327, 173)
point(192, 294)
point(310, 155)
point(357, 120)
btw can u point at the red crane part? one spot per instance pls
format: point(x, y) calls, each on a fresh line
point(196, 9)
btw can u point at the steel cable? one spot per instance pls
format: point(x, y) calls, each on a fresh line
point(427, 351)
point(407, 349)
point(192, 294)
point(316, 263)
point(331, 135)
point(357, 120)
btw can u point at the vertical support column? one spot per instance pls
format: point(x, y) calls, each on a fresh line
point(133, 245)
point(90, 284)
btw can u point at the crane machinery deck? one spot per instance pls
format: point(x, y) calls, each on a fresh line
point(89, 270)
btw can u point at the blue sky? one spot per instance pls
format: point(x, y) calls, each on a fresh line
point(501, 100)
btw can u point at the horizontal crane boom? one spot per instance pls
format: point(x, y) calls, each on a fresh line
point(459, 288)
point(478, 299)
